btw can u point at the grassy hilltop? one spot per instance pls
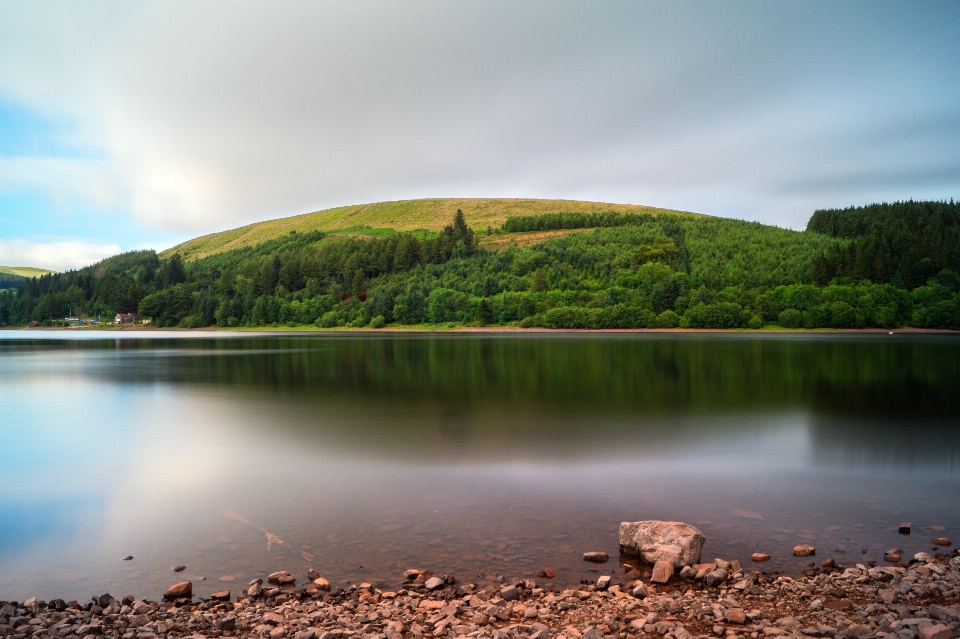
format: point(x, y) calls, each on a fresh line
point(25, 271)
point(404, 215)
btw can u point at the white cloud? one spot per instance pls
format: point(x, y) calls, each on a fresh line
point(212, 115)
point(56, 256)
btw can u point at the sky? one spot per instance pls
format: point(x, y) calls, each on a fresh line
point(139, 125)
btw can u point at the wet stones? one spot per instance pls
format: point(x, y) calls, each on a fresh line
point(182, 590)
point(596, 557)
point(281, 577)
point(940, 541)
point(178, 568)
point(221, 595)
point(547, 573)
point(662, 571)
point(654, 541)
point(760, 557)
point(804, 550)
point(603, 582)
point(433, 583)
point(829, 563)
point(321, 583)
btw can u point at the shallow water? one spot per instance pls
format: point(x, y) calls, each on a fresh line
point(464, 453)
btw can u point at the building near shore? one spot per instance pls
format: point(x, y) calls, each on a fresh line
point(126, 318)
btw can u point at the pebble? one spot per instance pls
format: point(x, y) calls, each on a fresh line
point(548, 573)
point(604, 582)
point(804, 550)
point(178, 568)
point(760, 557)
point(433, 583)
point(596, 557)
point(940, 541)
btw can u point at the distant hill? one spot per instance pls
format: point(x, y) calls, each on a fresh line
point(25, 271)
point(404, 215)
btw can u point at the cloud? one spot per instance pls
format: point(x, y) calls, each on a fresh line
point(56, 256)
point(208, 116)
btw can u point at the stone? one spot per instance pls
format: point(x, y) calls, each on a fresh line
point(178, 568)
point(433, 583)
point(278, 633)
point(596, 557)
point(312, 574)
point(272, 618)
point(182, 590)
point(888, 595)
point(938, 631)
point(128, 558)
point(923, 557)
point(281, 577)
point(715, 578)
point(221, 595)
point(510, 593)
point(641, 591)
point(603, 582)
point(305, 634)
point(829, 563)
point(593, 633)
point(548, 573)
point(662, 571)
point(940, 541)
point(89, 629)
point(321, 583)
point(942, 614)
point(789, 623)
point(735, 615)
point(760, 557)
point(858, 631)
point(255, 590)
point(687, 572)
point(804, 550)
point(654, 541)
point(227, 624)
point(637, 624)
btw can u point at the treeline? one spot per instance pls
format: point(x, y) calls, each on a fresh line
point(905, 243)
point(11, 280)
point(572, 220)
point(666, 270)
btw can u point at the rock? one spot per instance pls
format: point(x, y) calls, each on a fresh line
point(595, 633)
point(654, 541)
point(182, 590)
point(662, 571)
point(804, 550)
point(942, 614)
point(905, 528)
point(255, 589)
point(858, 631)
point(637, 625)
point(704, 569)
point(221, 595)
point(433, 583)
point(940, 541)
point(829, 563)
point(760, 557)
point(788, 623)
point(715, 578)
point(938, 631)
point(924, 557)
point(312, 574)
point(603, 582)
point(89, 629)
point(178, 568)
point(226, 624)
point(128, 558)
point(510, 593)
point(735, 615)
point(547, 573)
point(596, 557)
point(281, 577)
point(687, 572)
point(31, 603)
point(305, 634)
point(321, 583)
point(278, 633)
point(641, 591)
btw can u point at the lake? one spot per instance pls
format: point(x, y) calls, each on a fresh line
point(477, 455)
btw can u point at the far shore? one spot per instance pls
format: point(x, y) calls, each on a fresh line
point(486, 329)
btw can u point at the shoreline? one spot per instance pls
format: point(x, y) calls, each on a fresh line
point(907, 330)
point(919, 600)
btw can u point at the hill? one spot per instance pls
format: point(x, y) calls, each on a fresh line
point(25, 271)
point(587, 268)
point(405, 215)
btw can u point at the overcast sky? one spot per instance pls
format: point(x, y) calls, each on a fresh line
point(130, 125)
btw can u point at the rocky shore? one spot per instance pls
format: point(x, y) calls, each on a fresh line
point(908, 600)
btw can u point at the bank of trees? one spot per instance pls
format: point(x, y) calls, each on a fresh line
point(626, 271)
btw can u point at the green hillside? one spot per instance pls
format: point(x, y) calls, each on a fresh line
point(567, 265)
point(25, 271)
point(405, 215)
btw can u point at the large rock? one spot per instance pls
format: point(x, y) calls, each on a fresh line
point(654, 541)
point(178, 591)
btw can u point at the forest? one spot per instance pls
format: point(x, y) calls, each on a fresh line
point(884, 265)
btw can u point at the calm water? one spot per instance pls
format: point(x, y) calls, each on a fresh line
point(468, 454)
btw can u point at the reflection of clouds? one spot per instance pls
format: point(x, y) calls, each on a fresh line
point(921, 447)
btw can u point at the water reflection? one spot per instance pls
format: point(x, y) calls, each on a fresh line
point(476, 454)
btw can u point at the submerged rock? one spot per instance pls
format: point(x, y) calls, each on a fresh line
point(760, 557)
point(672, 541)
point(596, 557)
point(804, 550)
